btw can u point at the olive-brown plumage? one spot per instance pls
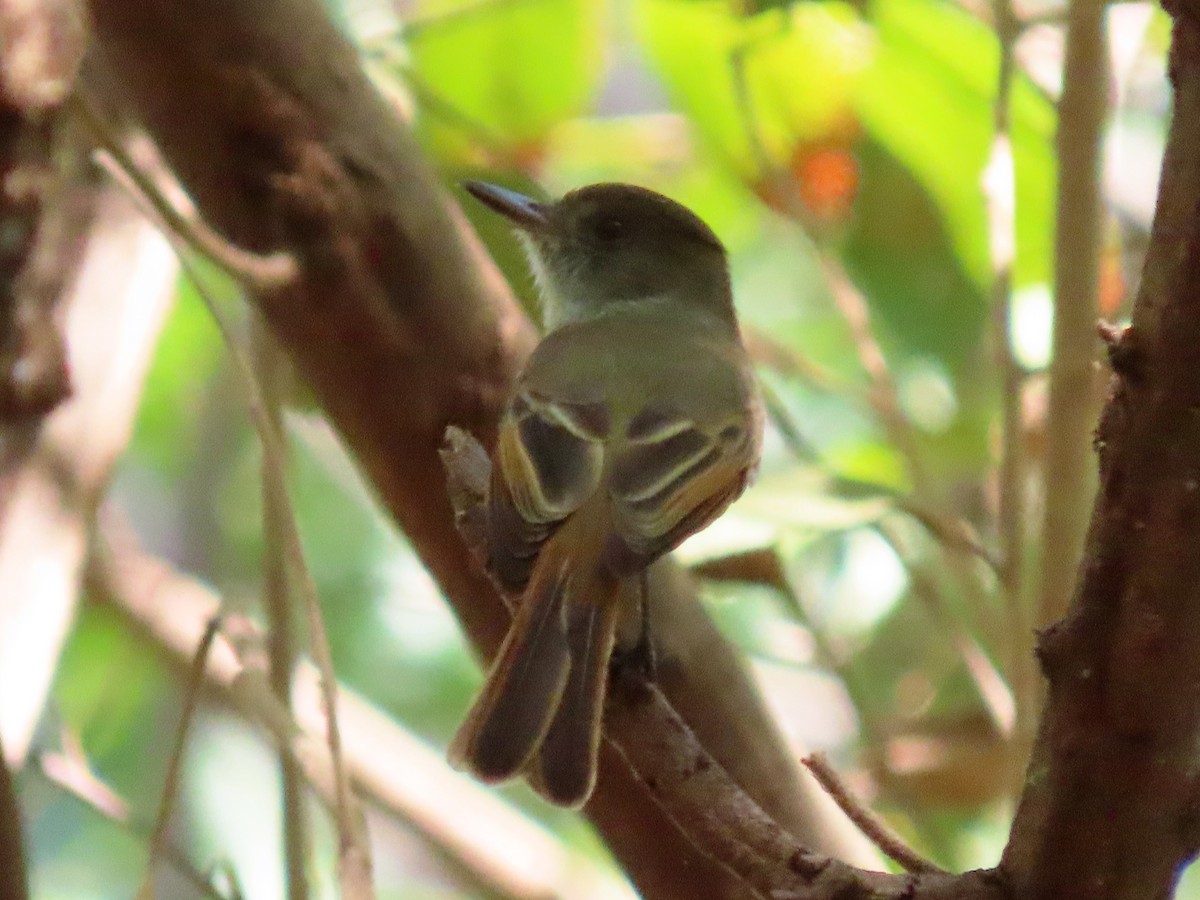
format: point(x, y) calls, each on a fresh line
point(634, 424)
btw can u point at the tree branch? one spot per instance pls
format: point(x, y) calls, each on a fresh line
point(116, 303)
point(729, 826)
point(869, 823)
point(1069, 477)
point(1110, 808)
point(1012, 487)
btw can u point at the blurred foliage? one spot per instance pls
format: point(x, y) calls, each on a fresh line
point(816, 138)
point(512, 70)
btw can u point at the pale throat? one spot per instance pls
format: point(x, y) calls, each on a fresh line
point(565, 299)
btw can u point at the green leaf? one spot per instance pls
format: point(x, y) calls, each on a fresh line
point(928, 97)
point(189, 354)
point(798, 70)
point(513, 70)
point(798, 500)
point(899, 251)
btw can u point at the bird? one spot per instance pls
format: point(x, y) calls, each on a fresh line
point(634, 424)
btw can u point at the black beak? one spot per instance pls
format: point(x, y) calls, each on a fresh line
point(522, 211)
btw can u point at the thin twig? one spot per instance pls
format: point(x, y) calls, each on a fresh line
point(281, 639)
point(1073, 404)
point(993, 692)
point(951, 531)
point(191, 694)
point(884, 397)
point(770, 352)
point(354, 861)
point(999, 185)
point(259, 272)
point(885, 401)
point(869, 823)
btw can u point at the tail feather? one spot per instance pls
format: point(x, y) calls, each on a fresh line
point(541, 706)
point(566, 763)
point(513, 712)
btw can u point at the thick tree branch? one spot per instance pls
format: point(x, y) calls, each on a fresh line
point(729, 826)
point(1111, 802)
point(402, 326)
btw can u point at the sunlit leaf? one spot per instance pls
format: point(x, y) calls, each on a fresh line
point(928, 97)
point(799, 497)
point(899, 252)
point(189, 354)
point(505, 72)
point(106, 689)
point(770, 83)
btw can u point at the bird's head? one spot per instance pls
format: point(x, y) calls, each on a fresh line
point(608, 244)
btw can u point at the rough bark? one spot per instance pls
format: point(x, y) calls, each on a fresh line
point(1111, 808)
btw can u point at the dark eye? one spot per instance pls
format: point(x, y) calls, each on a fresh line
point(609, 229)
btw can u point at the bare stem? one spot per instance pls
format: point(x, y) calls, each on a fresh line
point(268, 272)
point(869, 823)
point(1000, 191)
point(281, 638)
point(191, 694)
point(1069, 477)
point(354, 860)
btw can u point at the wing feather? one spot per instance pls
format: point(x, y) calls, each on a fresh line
point(549, 460)
point(670, 480)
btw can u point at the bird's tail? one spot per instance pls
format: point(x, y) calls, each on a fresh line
point(544, 695)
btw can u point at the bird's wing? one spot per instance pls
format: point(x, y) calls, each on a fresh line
point(549, 459)
point(672, 476)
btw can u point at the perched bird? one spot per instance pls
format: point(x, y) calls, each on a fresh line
point(635, 423)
